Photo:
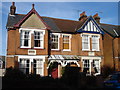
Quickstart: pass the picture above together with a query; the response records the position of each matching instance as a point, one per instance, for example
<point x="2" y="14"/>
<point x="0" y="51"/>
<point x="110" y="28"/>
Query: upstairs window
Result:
<point x="25" y="39"/>
<point x="95" y="43"/>
<point x="66" y="42"/>
<point x="54" y="41"/>
<point x="38" y="39"/>
<point x="85" y="42"/>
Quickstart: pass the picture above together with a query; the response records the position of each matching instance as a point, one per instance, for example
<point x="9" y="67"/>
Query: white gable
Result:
<point x="91" y="26"/>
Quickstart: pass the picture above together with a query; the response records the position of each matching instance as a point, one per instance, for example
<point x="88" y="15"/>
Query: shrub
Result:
<point x="106" y="70"/>
<point x="14" y="73"/>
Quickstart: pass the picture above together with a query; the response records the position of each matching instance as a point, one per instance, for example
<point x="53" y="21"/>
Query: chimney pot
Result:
<point x="12" y="9"/>
<point x="97" y="18"/>
<point x="83" y="16"/>
<point x="33" y="5"/>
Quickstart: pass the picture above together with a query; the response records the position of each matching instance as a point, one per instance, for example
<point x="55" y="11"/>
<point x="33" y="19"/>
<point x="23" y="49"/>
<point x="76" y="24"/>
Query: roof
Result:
<point x="56" y="25"/>
<point x="13" y="19"/>
<point x="32" y="11"/>
<point x="63" y="25"/>
<point x="94" y="23"/>
<point x="113" y="30"/>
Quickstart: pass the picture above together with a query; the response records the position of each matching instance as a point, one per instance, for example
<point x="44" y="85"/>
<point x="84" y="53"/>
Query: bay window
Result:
<point x="90" y="42"/>
<point x="26" y="38"/>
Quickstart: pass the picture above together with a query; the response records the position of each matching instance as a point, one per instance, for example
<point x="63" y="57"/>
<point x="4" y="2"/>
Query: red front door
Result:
<point x="54" y="73"/>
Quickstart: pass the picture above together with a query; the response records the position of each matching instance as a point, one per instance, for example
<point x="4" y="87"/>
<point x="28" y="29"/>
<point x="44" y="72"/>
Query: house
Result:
<point x="36" y="42"/>
<point x="2" y="65"/>
<point x="111" y="46"/>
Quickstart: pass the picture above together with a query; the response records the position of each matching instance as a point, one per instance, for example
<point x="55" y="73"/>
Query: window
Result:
<point x="86" y="66"/>
<point x="96" y="65"/>
<point x="1" y="63"/>
<point x="37" y="66"/>
<point x="66" y="42"/>
<point x="54" y="41"/>
<point x="31" y="65"/>
<point x="38" y="39"/>
<point x="85" y="42"/>
<point x="24" y="65"/>
<point x="95" y="43"/>
<point x="25" y="39"/>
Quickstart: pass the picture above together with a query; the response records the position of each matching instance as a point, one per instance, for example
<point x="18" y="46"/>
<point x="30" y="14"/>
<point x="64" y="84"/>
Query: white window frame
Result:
<point x="31" y="60"/>
<point x="42" y="46"/>
<point x="58" y="40"/>
<point x="88" y="42"/>
<point x="98" y="43"/>
<point x="91" y="60"/>
<point x="70" y="36"/>
<point x="29" y="41"/>
<point x="32" y="32"/>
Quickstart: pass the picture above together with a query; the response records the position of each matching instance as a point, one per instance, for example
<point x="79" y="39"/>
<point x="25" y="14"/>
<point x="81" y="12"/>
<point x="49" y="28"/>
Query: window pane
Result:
<point x="85" y="42"/>
<point x="54" y="45"/>
<point x="25" y="36"/>
<point x="25" y="42"/>
<point x="24" y="65"/>
<point x="38" y="39"/>
<point x="95" y="43"/>
<point x="86" y="66"/>
<point x="54" y="42"/>
<point x="66" y="46"/>
<point x="65" y="42"/>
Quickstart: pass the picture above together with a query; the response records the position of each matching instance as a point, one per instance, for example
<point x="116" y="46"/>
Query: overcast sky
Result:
<point x="108" y="11"/>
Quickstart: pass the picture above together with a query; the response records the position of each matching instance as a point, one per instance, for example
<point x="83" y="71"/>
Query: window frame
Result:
<point x="98" y="43"/>
<point x="29" y="41"/>
<point x="88" y="42"/>
<point x="31" y="58"/>
<point x="32" y="32"/>
<point x="70" y="36"/>
<point x="42" y="46"/>
<point x="58" y="40"/>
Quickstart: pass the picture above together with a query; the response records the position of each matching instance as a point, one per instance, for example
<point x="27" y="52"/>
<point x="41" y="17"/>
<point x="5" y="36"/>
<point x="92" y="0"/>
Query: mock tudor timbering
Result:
<point x="36" y="42"/>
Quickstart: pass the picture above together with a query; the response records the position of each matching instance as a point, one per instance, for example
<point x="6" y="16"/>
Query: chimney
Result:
<point x="12" y="9"/>
<point x="97" y="18"/>
<point x="83" y="16"/>
<point x="33" y="6"/>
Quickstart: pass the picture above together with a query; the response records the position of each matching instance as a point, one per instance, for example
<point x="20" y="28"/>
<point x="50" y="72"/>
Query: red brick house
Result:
<point x="111" y="46"/>
<point x="35" y="42"/>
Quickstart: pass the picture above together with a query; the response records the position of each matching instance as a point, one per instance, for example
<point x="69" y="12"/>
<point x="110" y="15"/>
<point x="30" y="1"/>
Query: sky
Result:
<point x="108" y="11"/>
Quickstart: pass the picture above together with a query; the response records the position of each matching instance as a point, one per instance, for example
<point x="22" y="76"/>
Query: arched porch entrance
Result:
<point x="57" y="66"/>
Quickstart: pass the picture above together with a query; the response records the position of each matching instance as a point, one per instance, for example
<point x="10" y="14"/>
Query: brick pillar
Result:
<point x="45" y="66"/>
<point x="59" y="70"/>
<point x="32" y="40"/>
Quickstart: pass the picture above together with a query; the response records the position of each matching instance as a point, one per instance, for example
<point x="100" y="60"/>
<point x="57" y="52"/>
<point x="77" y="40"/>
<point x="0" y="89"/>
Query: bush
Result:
<point x="107" y="70"/>
<point x="14" y="73"/>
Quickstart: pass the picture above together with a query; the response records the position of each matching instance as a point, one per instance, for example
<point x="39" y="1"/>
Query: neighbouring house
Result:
<point x="45" y="45"/>
<point x="111" y="46"/>
<point x="2" y="65"/>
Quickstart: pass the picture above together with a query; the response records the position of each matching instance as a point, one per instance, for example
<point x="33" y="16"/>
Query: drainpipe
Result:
<point x="113" y="54"/>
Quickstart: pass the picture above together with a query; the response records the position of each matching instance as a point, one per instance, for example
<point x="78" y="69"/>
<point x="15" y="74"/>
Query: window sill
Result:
<point x="55" y="49"/>
<point x="39" y="48"/>
<point x="25" y="47"/>
<point x="96" y="50"/>
<point x="85" y="50"/>
<point x="67" y="50"/>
